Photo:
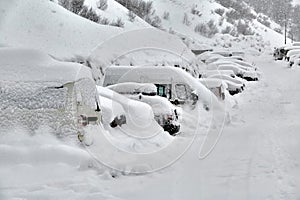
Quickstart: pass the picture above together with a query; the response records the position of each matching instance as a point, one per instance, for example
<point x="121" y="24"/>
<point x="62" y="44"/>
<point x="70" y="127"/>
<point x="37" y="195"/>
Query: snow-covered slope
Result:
<point x="44" y="25"/>
<point x="204" y="11"/>
<point x="114" y="11"/>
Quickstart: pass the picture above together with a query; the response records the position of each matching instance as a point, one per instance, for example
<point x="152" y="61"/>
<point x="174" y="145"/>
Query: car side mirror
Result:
<point x="194" y="96"/>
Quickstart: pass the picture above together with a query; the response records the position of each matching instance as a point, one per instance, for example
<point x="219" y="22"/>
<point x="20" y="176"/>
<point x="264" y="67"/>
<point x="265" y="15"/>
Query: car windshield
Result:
<point x="86" y="93"/>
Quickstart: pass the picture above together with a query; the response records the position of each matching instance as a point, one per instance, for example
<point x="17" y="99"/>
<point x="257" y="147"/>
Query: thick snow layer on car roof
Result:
<point x="208" y="73"/>
<point x="207" y="55"/>
<point x="293" y="52"/>
<point x="212" y="82"/>
<point x="226" y="78"/>
<point x="291" y="47"/>
<point x="160" y="105"/>
<point x="139" y="40"/>
<point x="110" y="110"/>
<point x="33" y="65"/>
<point x="133" y="88"/>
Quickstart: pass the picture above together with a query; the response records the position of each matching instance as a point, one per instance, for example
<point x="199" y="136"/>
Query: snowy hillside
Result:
<point x="114" y="11"/>
<point x="184" y="16"/>
<point x="44" y="25"/>
<point x="244" y="146"/>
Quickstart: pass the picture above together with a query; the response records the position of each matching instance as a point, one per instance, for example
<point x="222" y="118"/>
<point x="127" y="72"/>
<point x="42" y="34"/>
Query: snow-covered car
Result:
<point x="228" y="78"/>
<point x="134" y="88"/>
<point x="173" y="83"/>
<point x="222" y="53"/>
<point x="165" y="113"/>
<point x="213" y="58"/>
<point x="208" y="73"/>
<point x="217" y="86"/>
<point x="37" y="91"/>
<point x="206" y="55"/>
<point x="113" y="113"/>
<point x="294" y="62"/>
<point x="217" y="58"/>
<point x="279" y="53"/>
<point x="293" y="59"/>
<point x="250" y="75"/>
<point x="238" y="53"/>
<point x="289" y="48"/>
<point x="292" y="53"/>
<point x="239" y="63"/>
<point x="130" y="115"/>
<point x="234" y="86"/>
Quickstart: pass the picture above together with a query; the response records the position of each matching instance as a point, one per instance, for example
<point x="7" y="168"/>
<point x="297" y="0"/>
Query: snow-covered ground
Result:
<point x="257" y="156"/>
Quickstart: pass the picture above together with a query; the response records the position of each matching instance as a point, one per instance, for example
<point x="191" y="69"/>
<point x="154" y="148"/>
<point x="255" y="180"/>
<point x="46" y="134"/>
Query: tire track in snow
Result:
<point x="282" y="162"/>
<point x="285" y="182"/>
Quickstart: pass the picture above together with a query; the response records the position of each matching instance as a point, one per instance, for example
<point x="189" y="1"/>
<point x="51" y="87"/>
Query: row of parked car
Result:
<point x="167" y="88"/>
<point x="38" y="90"/>
<point x="230" y="69"/>
<point x="290" y="53"/>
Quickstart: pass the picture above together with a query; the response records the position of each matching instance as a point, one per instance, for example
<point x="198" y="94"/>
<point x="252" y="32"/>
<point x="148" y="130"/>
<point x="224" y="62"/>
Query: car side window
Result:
<point x="161" y="90"/>
<point x="181" y="91"/>
<point x="85" y="93"/>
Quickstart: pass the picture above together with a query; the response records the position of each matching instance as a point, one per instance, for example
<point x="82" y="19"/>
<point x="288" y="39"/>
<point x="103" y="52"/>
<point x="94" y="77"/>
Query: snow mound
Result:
<point x="43" y="167"/>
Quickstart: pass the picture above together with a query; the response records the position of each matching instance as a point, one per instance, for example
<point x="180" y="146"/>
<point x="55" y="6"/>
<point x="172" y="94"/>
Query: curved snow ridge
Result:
<point x="42" y="154"/>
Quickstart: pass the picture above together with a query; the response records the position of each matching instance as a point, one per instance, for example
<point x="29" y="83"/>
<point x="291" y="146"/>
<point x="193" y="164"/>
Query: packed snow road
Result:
<point x="256" y="158"/>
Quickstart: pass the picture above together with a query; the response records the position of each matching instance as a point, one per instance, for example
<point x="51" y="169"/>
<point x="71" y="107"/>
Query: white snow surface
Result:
<point x="140" y="122"/>
<point x="23" y="65"/>
<point x="44" y="25"/>
<point x="267" y="38"/>
<point x="114" y="11"/>
<point x="137" y="41"/>
<point x="134" y="88"/>
<point x="164" y="74"/>
<point x="256" y="157"/>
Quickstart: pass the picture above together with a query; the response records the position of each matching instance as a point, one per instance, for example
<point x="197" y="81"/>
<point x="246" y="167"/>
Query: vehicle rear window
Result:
<point x="181" y="91"/>
<point x="29" y="95"/>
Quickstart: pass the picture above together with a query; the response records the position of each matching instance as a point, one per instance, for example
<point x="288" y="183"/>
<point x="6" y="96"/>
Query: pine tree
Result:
<point x="76" y="6"/>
